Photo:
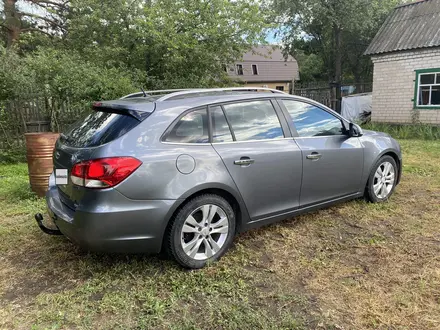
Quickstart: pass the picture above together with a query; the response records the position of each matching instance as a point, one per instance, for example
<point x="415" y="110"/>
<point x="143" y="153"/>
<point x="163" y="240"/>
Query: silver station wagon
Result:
<point x="184" y="171"/>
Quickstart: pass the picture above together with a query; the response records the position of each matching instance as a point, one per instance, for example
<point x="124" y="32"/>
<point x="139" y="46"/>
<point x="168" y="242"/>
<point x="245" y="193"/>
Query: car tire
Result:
<point x="201" y="231"/>
<point x="382" y="180"/>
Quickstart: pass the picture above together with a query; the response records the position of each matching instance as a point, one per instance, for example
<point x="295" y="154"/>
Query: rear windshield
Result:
<point x="98" y="128"/>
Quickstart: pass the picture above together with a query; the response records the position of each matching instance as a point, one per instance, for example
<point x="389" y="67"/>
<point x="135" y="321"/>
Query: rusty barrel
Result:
<point x="39" y="151"/>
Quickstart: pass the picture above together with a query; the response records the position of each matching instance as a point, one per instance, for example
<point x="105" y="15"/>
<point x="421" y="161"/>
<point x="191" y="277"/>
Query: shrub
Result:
<point x="47" y="78"/>
<point x="62" y="74"/>
<point x="12" y="156"/>
<point x="66" y="74"/>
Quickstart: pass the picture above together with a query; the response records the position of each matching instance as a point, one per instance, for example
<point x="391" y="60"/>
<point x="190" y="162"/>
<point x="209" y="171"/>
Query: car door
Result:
<point x="264" y="164"/>
<point x="332" y="161"/>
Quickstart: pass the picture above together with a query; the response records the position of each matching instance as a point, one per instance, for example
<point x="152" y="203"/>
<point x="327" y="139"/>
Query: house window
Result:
<point x="239" y="69"/>
<point x="427" y="88"/>
<point x="280" y="88"/>
<point x="254" y="69"/>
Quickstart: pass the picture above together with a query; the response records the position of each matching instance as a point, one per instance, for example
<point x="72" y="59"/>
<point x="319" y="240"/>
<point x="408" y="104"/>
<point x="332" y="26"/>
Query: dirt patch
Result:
<point x="28" y="280"/>
<point x="31" y="287"/>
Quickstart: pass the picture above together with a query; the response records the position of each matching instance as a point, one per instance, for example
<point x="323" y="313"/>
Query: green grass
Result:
<point x="407" y="131"/>
<point x="15" y="196"/>
<point x="352" y="266"/>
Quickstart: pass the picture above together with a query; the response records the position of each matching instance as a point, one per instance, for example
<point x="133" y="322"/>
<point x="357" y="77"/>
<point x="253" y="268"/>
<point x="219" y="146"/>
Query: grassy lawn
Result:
<point x="352" y="266"/>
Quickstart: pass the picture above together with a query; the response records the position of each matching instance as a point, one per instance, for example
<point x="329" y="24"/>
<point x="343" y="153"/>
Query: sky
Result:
<point x="271" y="39"/>
<point x="279" y="31"/>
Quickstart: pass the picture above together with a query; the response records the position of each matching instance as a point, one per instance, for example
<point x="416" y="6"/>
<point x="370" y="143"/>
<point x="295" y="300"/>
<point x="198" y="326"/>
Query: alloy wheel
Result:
<point x="384" y="180"/>
<point x="204" y="232"/>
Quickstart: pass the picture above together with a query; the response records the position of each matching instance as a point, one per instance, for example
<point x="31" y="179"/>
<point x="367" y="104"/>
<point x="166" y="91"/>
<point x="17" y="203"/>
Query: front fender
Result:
<point x="375" y="146"/>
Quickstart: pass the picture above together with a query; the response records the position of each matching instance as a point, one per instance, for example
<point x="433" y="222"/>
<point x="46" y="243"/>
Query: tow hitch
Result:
<point x="39" y="218"/>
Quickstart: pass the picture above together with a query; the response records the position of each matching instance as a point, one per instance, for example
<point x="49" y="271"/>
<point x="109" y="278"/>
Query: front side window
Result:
<point x="191" y="128"/>
<point x="253" y="120"/>
<point x="310" y="120"/>
<point x="428" y="88"/>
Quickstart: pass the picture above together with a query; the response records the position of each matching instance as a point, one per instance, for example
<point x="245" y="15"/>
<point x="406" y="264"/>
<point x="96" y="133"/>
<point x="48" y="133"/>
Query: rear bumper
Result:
<point x="112" y="223"/>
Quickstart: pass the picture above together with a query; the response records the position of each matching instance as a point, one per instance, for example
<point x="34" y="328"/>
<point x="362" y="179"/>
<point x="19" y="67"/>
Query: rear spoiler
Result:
<point x="139" y="111"/>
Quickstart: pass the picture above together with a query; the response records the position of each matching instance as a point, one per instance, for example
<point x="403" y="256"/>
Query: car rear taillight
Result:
<point x="103" y="172"/>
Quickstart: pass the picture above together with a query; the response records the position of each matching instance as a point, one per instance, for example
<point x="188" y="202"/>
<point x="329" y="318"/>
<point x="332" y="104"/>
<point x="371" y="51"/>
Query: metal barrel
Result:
<point x="39" y="151"/>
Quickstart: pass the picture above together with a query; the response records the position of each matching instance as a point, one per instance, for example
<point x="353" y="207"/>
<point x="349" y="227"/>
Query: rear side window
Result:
<point x="310" y="120"/>
<point x="191" y="128"/>
<point x="98" y="128"/>
<point x="220" y="127"/>
<point x="253" y="120"/>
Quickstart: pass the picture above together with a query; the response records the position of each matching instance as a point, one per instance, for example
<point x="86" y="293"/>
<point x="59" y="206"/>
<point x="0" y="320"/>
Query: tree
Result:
<point x="46" y="19"/>
<point x="311" y="67"/>
<point x="176" y="43"/>
<point x="338" y="31"/>
<point x="160" y="43"/>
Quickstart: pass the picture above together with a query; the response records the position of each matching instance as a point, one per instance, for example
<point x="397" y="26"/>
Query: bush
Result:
<point x="49" y="77"/>
<point x="62" y="74"/>
<point x="15" y="78"/>
<point x="67" y="74"/>
<point x="12" y="156"/>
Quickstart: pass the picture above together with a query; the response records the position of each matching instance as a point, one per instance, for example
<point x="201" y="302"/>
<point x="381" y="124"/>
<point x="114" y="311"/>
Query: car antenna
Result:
<point x="145" y="94"/>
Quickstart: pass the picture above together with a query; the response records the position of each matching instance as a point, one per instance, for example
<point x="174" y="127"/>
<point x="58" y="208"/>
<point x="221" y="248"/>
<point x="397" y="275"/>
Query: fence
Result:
<point x="325" y="93"/>
<point x="34" y="113"/>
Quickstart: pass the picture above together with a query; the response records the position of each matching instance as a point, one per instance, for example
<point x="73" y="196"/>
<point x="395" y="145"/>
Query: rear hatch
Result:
<point x="107" y="122"/>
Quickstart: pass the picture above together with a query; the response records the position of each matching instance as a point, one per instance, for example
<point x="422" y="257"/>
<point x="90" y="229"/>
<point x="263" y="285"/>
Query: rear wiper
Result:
<point x="65" y="137"/>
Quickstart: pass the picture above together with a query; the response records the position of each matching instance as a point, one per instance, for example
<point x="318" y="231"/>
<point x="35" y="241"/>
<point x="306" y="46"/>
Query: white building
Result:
<point x="406" y="57"/>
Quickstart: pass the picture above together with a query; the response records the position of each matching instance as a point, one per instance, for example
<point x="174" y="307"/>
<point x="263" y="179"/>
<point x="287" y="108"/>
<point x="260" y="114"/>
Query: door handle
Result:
<point x="244" y="161"/>
<point x="314" y="156"/>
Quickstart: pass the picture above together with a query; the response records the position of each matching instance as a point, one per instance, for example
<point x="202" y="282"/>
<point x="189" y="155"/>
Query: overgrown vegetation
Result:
<point x="329" y="38"/>
<point x="61" y="74"/>
<point x="352" y="266"/>
<point x="12" y="156"/>
<point x="119" y="45"/>
<point x="409" y="131"/>
<point x="63" y="55"/>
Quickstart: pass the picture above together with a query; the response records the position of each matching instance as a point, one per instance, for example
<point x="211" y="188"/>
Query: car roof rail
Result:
<point x="151" y="93"/>
<point x="199" y="91"/>
<point x="176" y="93"/>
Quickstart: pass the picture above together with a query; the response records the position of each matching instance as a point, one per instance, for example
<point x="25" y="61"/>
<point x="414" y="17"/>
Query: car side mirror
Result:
<point x="354" y="130"/>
